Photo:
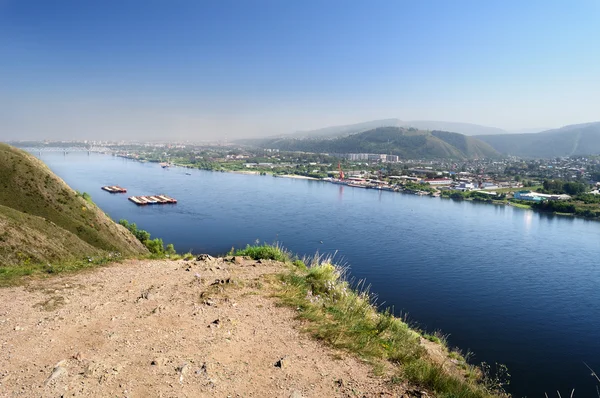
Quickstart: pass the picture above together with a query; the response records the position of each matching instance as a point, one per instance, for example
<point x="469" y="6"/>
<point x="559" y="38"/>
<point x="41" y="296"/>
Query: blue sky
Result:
<point x="227" y="69"/>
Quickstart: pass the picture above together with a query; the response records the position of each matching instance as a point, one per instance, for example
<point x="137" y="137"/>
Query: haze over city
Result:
<point x="224" y="70"/>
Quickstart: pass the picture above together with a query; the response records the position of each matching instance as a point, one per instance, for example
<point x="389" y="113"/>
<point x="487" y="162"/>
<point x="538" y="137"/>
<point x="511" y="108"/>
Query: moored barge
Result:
<point x="114" y="189"/>
<point x="152" y="200"/>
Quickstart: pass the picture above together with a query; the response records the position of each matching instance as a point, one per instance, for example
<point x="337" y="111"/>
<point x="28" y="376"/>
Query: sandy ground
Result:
<point x="168" y="329"/>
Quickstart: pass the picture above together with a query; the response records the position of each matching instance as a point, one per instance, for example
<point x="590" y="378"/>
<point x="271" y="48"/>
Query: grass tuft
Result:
<point x="264" y="252"/>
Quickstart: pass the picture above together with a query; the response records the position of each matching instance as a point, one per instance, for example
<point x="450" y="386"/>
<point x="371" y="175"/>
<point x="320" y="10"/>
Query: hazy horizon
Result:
<point x="227" y="70"/>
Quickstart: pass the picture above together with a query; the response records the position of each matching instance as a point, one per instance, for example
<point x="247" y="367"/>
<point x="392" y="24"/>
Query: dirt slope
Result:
<point x="168" y="329"/>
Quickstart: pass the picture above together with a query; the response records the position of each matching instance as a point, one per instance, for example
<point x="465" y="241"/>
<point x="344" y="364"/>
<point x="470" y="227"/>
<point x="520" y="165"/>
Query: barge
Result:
<point x="114" y="189"/>
<point x="152" y="200"/>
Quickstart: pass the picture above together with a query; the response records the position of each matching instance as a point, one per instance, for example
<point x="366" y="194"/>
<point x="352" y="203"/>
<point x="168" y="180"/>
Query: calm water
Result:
<point x="511" y="285"/>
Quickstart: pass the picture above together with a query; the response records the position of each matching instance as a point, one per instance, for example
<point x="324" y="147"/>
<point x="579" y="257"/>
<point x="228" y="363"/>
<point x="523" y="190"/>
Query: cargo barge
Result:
<point x="152" y="200"/>
<point x="114" y="189"/>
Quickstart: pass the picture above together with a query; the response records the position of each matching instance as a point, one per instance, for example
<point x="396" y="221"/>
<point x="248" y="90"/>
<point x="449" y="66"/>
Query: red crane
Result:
<point x="341" y="171"/>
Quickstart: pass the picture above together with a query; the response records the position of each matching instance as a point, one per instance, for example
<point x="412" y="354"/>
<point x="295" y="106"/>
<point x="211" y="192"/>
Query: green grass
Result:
<point x="16" y="275"/>
<point x="264" y="251"/>
<point x="347" y="319"/>
<point x="13" y="275"/>
<point x="436" y="337"/>
<point x="507" y="190"/>
<point x="519" y="205"/>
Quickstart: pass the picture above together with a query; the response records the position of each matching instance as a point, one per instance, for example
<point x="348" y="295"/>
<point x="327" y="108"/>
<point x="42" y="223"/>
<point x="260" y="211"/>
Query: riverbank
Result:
<point x="297" y="177"/>
<point x="585" y="211"/>
<point x="232" y="336"/>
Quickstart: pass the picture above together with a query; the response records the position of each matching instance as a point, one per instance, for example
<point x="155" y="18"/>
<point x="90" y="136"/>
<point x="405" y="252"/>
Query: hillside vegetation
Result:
<point x="407" y="143"/>
<point x="431" y="125"/>
<point x="580" y="139"/>
<point x="43" y="220"/>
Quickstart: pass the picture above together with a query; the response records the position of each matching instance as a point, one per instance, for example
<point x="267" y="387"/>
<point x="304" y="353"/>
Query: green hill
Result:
<point x="43" y="220"/>
<point x="408" y="143"/>
<point x="574" y="140"/>
<point x="431" y="125"/>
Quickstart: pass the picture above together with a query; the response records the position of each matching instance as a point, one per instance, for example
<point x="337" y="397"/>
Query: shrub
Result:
<point x="155" y="246"/>
<point x="264" y="251"/>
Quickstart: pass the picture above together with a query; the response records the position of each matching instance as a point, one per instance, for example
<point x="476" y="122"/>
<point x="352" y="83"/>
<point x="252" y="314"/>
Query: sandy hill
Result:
<point x="43" y="220"/>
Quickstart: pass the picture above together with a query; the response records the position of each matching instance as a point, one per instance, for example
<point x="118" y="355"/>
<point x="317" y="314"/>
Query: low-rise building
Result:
<point x="439" y="181"/>
<point x="538" y="197"/>
<point x="465" y="186"/>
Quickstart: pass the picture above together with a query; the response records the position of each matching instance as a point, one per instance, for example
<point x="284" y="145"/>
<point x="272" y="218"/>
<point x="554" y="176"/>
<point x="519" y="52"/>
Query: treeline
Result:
<point x="478" y="196"/>
<point x="582" y="204"/>
<point x="562" y="187"/>
<point x="155" y="246"/>
<point x="567" y="207"/>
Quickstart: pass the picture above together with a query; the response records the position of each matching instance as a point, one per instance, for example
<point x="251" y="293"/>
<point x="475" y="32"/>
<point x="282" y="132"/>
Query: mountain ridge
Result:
<point x="468" y="129"/>
<point x="571" y="140"/>
<point x="408" y="143"/>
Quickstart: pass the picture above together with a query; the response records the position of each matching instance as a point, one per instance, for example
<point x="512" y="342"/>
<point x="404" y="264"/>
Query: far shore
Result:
<point x="299" y="177"/>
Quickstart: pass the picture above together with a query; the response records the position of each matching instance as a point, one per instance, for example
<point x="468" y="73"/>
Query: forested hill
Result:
<point x="408" y="143"/>
<point x="431" y="125"/>
<point x="43" y="220"/>
<point x="574" y="140"/>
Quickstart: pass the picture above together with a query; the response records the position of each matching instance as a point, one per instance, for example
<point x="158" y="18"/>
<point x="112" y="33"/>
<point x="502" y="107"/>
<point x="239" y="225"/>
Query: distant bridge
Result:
<point x="65" y="150"/>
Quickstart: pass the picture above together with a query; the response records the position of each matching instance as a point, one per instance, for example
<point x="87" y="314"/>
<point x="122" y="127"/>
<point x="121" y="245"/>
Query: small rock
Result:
<point x="158" y="361"/>
<point x="238" y="260"/>
<point x="204" y="368"/>
<point x="296" y="394"/>
<point x="414" y="393"/>
<point x="183" y="370"/>
<point x="57" y="372"/>
<point x="282" y="363"/>
<point x="147" y="294"/>
<point x="204" y="257"/>
<point x="225" y="281"/>
<point x="117" y="368"/>
<point x="18" y="328"/>
<point x="215" y="323"/>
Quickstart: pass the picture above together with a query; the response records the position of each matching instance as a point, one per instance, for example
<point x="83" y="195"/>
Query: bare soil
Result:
<point x="169" y="329"/>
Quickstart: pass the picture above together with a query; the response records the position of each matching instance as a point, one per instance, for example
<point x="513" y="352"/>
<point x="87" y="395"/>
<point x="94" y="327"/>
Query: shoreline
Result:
<point x="297" y="177"/>
<point x="389" y="189"/>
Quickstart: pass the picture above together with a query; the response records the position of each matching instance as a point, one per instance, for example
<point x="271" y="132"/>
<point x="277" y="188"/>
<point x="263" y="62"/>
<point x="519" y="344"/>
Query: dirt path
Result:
<point x="167" y="329"/>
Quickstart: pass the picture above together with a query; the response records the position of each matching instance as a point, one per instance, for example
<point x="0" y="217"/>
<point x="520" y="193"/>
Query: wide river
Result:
<point x="511" y="285"/>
